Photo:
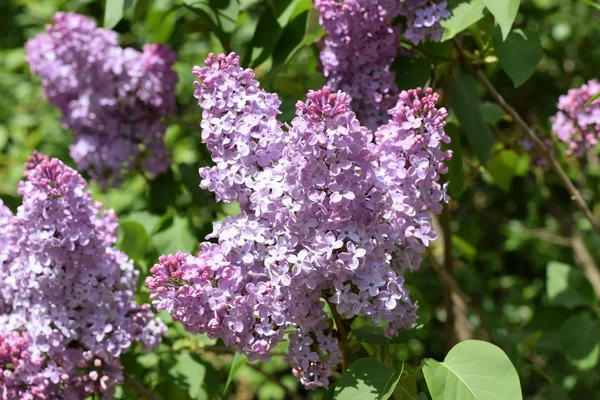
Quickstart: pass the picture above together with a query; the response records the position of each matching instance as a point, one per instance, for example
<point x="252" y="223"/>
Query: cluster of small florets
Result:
<point x="331" y="212"/>
<point x="423" y="19"/>
<point x="113" y="98"/>
<point x="576" y="125"/>
<point x="361" y="44"/>
<point x="67" y="295"/>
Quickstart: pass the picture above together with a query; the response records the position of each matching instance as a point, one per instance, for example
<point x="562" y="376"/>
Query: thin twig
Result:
<point x="545" y="151"/>
<point x="140" y="389"/>
<point x="450" y="282"/>
<point x="289" y="394"/>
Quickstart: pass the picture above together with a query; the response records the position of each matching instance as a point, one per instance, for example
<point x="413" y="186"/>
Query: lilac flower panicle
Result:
<point x="576" y="125"/>
<point x="66" y="294"/>
<point x="361" y="43"/>
<point x="330" y="212"/>
<point x="112" y="98"/>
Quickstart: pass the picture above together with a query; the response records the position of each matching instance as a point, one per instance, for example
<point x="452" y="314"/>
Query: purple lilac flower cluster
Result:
<point x="576" y="125"/>
<point x="423" y="19"/>
<point x="331" y="212"/>
<point x="113" y="98"/>
<point x="362" y="43"/>
<point x="67" y="305"/>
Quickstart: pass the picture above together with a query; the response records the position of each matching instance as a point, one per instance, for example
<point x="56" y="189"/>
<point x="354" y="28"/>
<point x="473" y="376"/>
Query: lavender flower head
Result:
<point x="423" y="19"/>
<point x="358" y="51"/>
<point x="331" y="212"/>
<point x="361" y="43"/>
<point x="112" y="98"/>
<point x="66" y="294"/>
<point x="576" y="125"/>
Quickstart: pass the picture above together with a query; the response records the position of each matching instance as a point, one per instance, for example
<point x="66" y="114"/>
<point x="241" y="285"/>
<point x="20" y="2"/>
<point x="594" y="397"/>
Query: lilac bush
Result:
<point x="331" y="212"/>
<point x="67" y="295"/>
<point x="113" y="98"/>
<point x="574" y="124"/>
<point x="361" y="44"/>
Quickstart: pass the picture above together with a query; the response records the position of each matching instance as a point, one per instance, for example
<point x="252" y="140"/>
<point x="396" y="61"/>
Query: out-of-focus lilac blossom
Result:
<point x="423" y="19"/>
<point x="331" y="211"/>
<point x="67" y="289"/>
<point x="358" y="50"/>
<point x="361" y="43"/>
<point x="112" y="98"/>
<point x="576" y="125"/>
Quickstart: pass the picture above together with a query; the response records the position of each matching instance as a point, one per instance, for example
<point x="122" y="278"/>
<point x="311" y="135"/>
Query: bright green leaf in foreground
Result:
<point x="505" y="12"/>
<point x="366" y="379"/>
<point x="473" y="370"/>
<point x="463" y="16"/>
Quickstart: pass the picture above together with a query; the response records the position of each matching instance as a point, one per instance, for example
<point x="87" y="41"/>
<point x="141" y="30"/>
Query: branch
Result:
<point x="545" y="151"/>
<point x="450" y="282"/>
<point x="142" y="391"/>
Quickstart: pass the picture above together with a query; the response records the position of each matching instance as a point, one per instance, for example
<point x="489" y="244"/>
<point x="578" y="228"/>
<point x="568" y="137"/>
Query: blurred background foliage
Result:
<point x="520" y="249"/>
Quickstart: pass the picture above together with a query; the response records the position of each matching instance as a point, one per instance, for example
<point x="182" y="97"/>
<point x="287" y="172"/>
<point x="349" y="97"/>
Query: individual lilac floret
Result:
<point x="423" y="19"/>
<point x="331" y="212"/>
<point x="576" y="125"/>
<point x="67" y="289"/>
<point x="112" y="98"/>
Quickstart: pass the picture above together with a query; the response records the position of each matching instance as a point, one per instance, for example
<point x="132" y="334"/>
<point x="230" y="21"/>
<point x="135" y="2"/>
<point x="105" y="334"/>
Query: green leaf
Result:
<point x="472" y="370"/>
<point x="375" y="335"/>
<point x="238" y="362"/>
<point x="519" y="54"/>
<point x="190" y="372"/>
<point x="456" y="175"/>
<point x="463" y="16"/>
<point x="264" y="40"/>
<point x="592" y="3"/>
<point x="593" y="99"/>
<point x="219" y="15"/>
<point x="133" y="239"/>
<point x="406" y="388"/>
<point x="366" y="379"/>
<point x="312" y="32"/>
<point x="491" y="112"/>
<point x="464" y="101"/>
<point x="293" y="10"/>
<point x="177" y="237"/>
<point x="567" y="286"/>
<point x="505" y="12"/>
<point x="580" y="336"/>
<point x="114" y="11"/>
<point x="503" y="166"/>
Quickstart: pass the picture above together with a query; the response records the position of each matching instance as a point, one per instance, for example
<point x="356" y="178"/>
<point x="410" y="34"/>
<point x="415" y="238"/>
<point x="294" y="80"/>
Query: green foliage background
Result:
<point x="515" y="232"/>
